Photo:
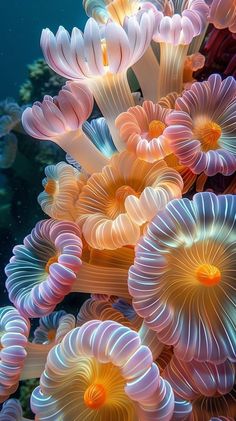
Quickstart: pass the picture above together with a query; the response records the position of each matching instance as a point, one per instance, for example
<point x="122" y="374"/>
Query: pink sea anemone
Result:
<point x="102" y="371"/>
<point x="223" y="14"/>
<point x="209" y="387"/>
<point x="43" y="269"/>
<point x="141" y="128"/>
<point x="194" y="379"/>
<point x="182" y="280"/>
<point x="202" y="130"/>
<point x="60" y="119"/>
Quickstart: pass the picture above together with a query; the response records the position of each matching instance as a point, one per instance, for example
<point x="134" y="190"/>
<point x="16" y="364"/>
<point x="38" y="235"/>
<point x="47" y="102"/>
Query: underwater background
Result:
<point x="21" y="23"/>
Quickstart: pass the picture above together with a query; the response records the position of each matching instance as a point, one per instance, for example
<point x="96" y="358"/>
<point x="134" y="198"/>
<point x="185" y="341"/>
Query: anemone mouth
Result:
<point x="51" y="260"/>
<point x="95" y="396"/>
<point x="196" y="267"/>
<point x="208" y="132"/>
<point x="155" y="129"/>
<point x="51" y="187"/>
<point x="208" y="274"/>
<point x="98" y="390"/>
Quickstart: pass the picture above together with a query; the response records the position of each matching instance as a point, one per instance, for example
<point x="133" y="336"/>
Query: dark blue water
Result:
<point x="21" y="23"/>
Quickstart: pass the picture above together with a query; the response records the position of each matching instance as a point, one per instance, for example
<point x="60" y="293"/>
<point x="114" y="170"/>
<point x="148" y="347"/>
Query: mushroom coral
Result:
<point x="101" y="371"/>
<point x="182" y="280"/>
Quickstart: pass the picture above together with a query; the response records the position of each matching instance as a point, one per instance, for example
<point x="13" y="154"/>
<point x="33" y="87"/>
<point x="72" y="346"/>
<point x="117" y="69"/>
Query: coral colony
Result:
<point x="156" y="341"/>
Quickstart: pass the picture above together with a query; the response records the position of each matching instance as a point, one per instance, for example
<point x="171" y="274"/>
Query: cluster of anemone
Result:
<point x="156" y="339"/>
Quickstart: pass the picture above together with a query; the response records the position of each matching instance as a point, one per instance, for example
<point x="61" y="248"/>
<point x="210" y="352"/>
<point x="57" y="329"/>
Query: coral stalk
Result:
<point x="35" y="360"/>
<point x="99" y="280"/>
<point x="80" y="147"/>
<point x="113" y="96"/>
<point x="149" y="85"/>
<point x="172" y="67"/>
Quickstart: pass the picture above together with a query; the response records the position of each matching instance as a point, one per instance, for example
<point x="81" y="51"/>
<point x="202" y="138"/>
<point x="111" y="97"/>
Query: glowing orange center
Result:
<point x="104" y="53"/>
<point x="125" y="191"/>
<point x="52" y="259"/>
<point x="155" y="128"/>
<point x="50" y="187"/>
<point x="95" y="396"/>
<point x="208" y="274"/>
<point x="1" y="345"/>
<point x="209" y="134"/>
<point x="51" y="335"/>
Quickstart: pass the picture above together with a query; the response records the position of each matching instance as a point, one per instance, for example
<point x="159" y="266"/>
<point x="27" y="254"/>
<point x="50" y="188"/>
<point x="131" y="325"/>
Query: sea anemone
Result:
<point x="102" y="310"/>
<point x="98" y="131"/>
<point x="21" y="359"/>
<point x="192" y="63"/>
<point x="14" y="331"/>
<point x="222" y="14"/>
<point x="52" y="328"/>
<point x="205" y="408"/>
<point x="141" y="128"/>
<point x="194" y="379"/>
<point x="209" y="387"/>
<point x="101" y="57"/>
<point x="48" y="266"/>
<point x="62" y="186"/>
<point x="182" y="280"/>
<point x="60" y="119"/>
<point x="202" y="130"/>
<point x="43" y="269"/>
<point x="12" y="411"/>
<point x="101" y="371"/>
<point x="115" y="203"/>
<point x="176" y="26"/>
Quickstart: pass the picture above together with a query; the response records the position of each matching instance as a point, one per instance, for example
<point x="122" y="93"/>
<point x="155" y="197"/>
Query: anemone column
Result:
<point x="113" y="96"/>
<point x="172" y="68"/>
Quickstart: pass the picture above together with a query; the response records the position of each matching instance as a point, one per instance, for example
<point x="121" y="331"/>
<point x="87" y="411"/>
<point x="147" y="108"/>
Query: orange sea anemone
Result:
<point x="115" y="203"/>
